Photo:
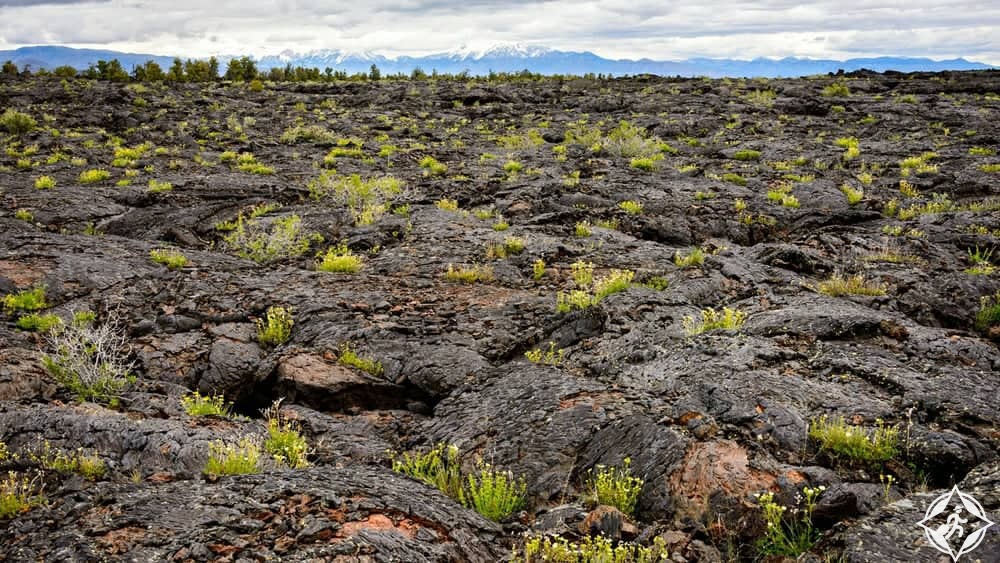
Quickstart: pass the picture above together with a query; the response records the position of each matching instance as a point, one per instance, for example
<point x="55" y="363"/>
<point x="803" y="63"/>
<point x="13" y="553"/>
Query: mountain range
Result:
<point x="507" y="58"/>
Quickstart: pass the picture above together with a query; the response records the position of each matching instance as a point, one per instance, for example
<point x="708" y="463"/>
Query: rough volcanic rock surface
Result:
<point x="708" y="421"/>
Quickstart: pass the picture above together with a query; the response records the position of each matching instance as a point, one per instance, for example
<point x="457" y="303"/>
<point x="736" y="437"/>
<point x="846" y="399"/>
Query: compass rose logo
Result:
<point x="955" y="523"/>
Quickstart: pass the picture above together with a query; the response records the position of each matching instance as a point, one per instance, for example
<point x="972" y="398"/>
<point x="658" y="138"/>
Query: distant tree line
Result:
<point x="244" y="69"/>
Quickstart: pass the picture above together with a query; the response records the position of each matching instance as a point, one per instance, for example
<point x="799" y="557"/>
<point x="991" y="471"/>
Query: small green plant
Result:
<point x="616" y="486"/>
<point x="511" y="246"/>
<point x="982" y="151"/>
<point x="837" y="89"/>
<point x="24" y="215"/>
<point x="583" y="273"/>
<point x="440" y="467"/>
<point x="91" y="360"/>
<point x="631" y="207"/>
<point x="646" y="164"/>
<point x="93" y="176"/>
<point x="27" y="300"/>
<point x="158" y="187"/>
<point x="284" y="239"/>
<point x="576" y="299"/>
<point x="340" y="259"/>
<point x="538" y="269"/>
<point x="172" y="259"/>
<point x="550" y="357"/>
<point x="45" y="183"/>
<point x="729" y="319"/>
<point x="788" y="537"/>
<point x="39" y="323"/>
<point x="853" y="443"/>
<point x="501" y="225"/>
<point x="17" y="123"/>
<point x="513" y="167"/>
<point x="349" y="357"/>
<point x="447" y="204"/>
<point x="980" y="260"/>
<point x="240" y="458"/>
<point x="990" y="168"/>
<point x="90" y="467"/>
<point x="656" y="283"/>
<point x="276" y="327"/>
<point x="432" y="167"/>
<point x="839" y="285"/>
<point x="469" y="275"/>
<point x="853" y="196"/>
<point x="196" y="404"/>
<point x="988" y="315"/>
<point x="694" y="258"/>
<point x="582" y="229"/>
<point x="284" y="439"/>
<point x="495" y="494"/>
<point x="591" y="549"/>
<point x="614" y="282"/>
<point x="746" y="154"/>
<point x="734" y="178"/>
<point x="18" y="495"/>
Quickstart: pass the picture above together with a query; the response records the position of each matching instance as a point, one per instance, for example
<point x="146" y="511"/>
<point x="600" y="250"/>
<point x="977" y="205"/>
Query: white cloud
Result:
<point x="618" y="28"/>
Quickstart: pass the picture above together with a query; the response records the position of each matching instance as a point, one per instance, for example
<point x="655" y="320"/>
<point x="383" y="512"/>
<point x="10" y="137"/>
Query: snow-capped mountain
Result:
<point x="509" y="57"/>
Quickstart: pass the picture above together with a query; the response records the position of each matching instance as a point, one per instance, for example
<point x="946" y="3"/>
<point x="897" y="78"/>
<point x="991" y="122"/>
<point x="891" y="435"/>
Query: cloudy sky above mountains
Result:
<point x="611" y="28"/>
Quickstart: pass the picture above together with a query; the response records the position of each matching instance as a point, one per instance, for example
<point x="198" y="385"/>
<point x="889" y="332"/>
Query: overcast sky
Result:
<point x="611" y="28"/>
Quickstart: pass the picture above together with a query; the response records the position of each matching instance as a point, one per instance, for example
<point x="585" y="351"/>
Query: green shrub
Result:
<point x="45" y="183"/>
<point x="169" y="257"/>
<point x="284" y="239"/>
<point x="432" y="167"/>
<point x="469" y="275"/>
<point x="340" y="259"/>
<point x="696" y="257"/>
<point x="513" y="167"/>
<point x="839" y="285"/>
<point x="18" y="495"/>
<point x="614" y="282"/>
<point x="233" y="459"/>
<point x="24" y="215"/>
<point x="440" y="467"/>
<point x="853" y="196"/>
<point x="90" y="467"/>
<point x="576" y="299"/>
<point x="630" y="207"/>
<point x="990" y="168"/>
<point x="196" y="404"/>
<point x="367" y="199"/>
<point x="854" y="443"/>
<point x="157" y="187"/>
<point x="988" y="315"/>
<point x="552" y="357"/>
<point x="349" y="357"/>
<point x="656" y="283"/>
<point x="447" y="204"/>
<point x="837" y="89"/>
<point x="27" y="300"/>
<point x="511" y="246"/>
<point x="734" y="178"/>
<point x="17" y="123"/>
<point x="538" y="269"/>
<point x="788" y="537"/>
<point x="93" y="176"/>
<point x="982" y="151"/>
<point x="591" y="549"/>
<point x="582" y="229"/>
<point x="646" y="164"/>
<point x="308" y="134"/>
<point x="276" y="327"/>
<point x="747" y="154"/>
<point x="39" y="323"/>
<point x="583" y="273"/>
<point x="284" y="440"/>
<point x="616" y="486"/>
<point x="495" y="494"/>
<point x="628" y="141"/>
<point x="90" y="360"/>
<point x="729" y="319"/>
